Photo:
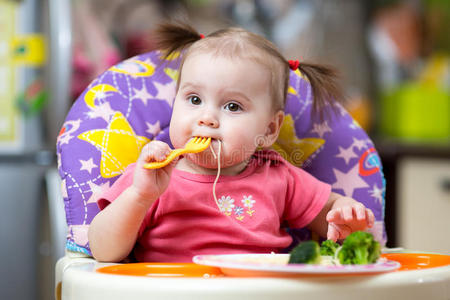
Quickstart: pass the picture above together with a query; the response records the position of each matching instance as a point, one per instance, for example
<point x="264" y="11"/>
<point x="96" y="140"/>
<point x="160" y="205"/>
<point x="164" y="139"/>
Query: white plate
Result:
<point x="276" y="265"/>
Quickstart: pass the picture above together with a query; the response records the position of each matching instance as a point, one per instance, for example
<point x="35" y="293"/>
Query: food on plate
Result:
<point x="359" y="248"/>
<point x="305" y="253"/>
<point x="328" y="248"/>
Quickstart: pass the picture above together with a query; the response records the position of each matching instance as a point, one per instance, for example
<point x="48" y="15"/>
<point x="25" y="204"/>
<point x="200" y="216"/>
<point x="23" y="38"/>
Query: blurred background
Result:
<point x="394" y="57"/>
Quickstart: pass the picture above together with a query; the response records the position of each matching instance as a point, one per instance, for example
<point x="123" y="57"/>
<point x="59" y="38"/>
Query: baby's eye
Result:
<point x="195" y="100"/>
<point x="233" y="106"/>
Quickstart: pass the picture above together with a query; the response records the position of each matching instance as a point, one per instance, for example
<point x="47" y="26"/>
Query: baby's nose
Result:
<point x="208" y="120"/>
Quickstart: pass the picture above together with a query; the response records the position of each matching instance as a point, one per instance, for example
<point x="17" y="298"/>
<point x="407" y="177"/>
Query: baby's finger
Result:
<point x="155" y="151"/>
<point x="171" y="165"/>
<point x="332" y="233"/>
<point x="360" y="211"/>
<point x="144" y="152"/>
<point x="347" y="213"/>
<point x="334" y="215"/>
<point x="344" y="230"/>
<point x="370" y="218"/>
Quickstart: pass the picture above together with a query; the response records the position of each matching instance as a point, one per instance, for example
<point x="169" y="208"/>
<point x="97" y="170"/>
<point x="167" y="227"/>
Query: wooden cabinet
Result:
<point x="423" y="204"/>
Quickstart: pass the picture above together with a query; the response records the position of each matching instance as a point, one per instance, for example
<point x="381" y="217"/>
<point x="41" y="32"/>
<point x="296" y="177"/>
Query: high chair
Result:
<point x="128" y="106"/>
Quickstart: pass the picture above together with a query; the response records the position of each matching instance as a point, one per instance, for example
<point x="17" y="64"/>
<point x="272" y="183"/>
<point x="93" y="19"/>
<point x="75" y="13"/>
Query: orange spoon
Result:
<point x="195" y="145"/>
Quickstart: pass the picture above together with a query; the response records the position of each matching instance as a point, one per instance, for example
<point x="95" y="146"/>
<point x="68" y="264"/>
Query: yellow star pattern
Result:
<point x="291" y="90"/>
<point x="118" y="143"/>
<point x="148" y="69"/>
<point x="172" y="73"/>
<point x="293" y="149"/>
<point x="298" y="73"/>
<point x="172" y="56"/>
<point x="98" y="91"/>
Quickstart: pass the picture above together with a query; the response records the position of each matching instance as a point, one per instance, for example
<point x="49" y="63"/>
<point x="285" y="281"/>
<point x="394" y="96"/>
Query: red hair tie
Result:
<point x="294" y="64"/>
<point x="202" y="36"/>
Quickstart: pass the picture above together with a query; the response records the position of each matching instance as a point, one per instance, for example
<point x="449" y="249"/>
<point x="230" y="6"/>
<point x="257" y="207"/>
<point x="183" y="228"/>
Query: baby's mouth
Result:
<point x="215" y="146"/>
<point x="214" y="140"/>
<point x="216" y="143"/>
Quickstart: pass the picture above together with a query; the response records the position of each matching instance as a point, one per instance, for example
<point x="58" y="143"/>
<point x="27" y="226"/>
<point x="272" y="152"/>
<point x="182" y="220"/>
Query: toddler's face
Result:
<point x="226" y="99"/>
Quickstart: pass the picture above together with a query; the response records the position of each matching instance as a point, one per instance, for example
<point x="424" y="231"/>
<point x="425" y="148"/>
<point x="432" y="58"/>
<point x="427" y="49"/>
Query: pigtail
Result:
<point x="324" y="84"/>
<point x="172" y="37"/>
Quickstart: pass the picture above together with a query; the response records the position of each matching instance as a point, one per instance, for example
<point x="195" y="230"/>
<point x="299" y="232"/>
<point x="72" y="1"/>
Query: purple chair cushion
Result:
<point x="131" y="104"/>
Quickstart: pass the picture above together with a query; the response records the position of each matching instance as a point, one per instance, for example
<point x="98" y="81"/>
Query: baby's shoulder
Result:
<point x="274" y="161"/>
<point x="270" y="157"/>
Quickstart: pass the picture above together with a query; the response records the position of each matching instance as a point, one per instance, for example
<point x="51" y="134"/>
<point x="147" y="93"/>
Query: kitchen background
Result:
<point x="395" y="64"/>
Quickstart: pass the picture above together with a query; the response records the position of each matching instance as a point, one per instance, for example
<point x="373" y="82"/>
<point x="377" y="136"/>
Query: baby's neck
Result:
<point x="186" y="165"/>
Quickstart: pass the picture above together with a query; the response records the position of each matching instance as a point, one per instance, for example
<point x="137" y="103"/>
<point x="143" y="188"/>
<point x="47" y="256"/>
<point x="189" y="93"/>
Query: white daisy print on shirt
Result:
<point x="248" y="202"/>
<point x="238" y="211"/>
<point x="228" y="207"/>
<point x="226" y="204"/>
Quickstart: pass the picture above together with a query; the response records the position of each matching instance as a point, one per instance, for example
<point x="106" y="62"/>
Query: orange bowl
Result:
<point x="418" y="261"/>
<point x="162" y="270"/>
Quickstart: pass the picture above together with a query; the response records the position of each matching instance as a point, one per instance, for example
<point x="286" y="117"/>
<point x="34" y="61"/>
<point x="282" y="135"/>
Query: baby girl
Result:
<point x="232" y="87"/>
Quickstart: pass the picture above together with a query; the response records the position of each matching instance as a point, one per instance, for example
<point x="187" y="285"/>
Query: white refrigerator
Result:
<point x="35" y="68"/>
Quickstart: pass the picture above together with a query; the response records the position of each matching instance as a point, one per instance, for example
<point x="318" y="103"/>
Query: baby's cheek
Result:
<point x="241" y="149"/>
<point x="177" y="135"/>
<point x="242" y="137"/>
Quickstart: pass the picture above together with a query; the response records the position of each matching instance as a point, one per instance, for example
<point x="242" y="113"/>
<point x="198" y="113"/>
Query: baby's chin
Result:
<point x="204" y="159"/>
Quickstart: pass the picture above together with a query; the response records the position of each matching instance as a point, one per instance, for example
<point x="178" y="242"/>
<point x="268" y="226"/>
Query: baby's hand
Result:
<point x="151" y="183"/>
<point x="346" y="216"/>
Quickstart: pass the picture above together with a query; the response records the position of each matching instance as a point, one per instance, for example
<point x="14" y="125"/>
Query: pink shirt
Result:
<point x="252" y="210"/>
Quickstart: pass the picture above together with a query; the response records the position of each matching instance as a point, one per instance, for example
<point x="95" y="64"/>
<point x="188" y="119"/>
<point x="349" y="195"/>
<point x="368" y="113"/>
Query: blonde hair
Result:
<point x="237" y="42"/>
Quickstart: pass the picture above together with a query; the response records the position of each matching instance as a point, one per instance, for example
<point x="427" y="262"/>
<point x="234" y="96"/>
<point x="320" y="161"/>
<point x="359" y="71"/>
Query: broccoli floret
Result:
<point x="359" y="248"/>
<point x="305" y="253"/>
<point x="328" y="248"/>
<point x="374" y="252"/>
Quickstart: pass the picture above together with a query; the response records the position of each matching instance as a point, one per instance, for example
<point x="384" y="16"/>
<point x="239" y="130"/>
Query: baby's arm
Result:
<point x="114" y="230"/>
<point x="341" y="216"/>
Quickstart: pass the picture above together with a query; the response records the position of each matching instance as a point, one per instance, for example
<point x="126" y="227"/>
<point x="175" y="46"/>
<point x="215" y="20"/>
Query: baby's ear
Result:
<point x="273" y="129"/>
